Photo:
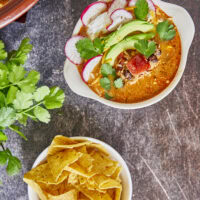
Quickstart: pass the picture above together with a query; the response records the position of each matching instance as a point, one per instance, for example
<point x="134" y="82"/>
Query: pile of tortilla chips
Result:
<point x="76" y="170"/>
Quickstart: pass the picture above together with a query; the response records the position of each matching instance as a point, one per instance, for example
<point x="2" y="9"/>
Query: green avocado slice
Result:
<point x="133" y="26"/>
<point x="127" y="43"/>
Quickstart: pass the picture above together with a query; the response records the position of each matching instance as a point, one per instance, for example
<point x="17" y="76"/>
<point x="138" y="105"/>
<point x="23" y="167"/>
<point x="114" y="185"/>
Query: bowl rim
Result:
<point x="13" y="10"/>
<point x="84" y="91"/>
<point x="109" y="148"/>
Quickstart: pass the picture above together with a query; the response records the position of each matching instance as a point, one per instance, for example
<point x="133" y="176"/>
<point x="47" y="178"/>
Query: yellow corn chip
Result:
<point x="70" y="195"/>
<point x="118" y="193"/>
<point x="102" y="164"/>
<point x="62" y="159"/>
<point x="77" y="169"/>
<point x="42" y="173"/>
<point x="42" y="195"/>
<point x="116" y="174"/>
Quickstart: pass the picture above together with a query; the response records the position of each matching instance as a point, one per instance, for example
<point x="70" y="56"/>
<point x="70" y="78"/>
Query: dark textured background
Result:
<point x="161" y="143"/>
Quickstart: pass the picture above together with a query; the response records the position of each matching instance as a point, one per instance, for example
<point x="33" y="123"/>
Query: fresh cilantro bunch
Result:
<point x="89" y="49"/>
<point x="20" y="99"/>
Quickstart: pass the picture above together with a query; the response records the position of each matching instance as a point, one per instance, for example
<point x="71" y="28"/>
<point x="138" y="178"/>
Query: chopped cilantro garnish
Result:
<point x="118" y="83"/>
<point x="107" y="96"/>
<point x="89" y="49"/>
<point x="105" y="83"/>
<point x="146" y="48"/>
<point x="141" y="10"/>
<point x="166" y="30"/>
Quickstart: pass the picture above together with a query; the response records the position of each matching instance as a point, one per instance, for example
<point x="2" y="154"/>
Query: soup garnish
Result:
<point x="129" y="52"/>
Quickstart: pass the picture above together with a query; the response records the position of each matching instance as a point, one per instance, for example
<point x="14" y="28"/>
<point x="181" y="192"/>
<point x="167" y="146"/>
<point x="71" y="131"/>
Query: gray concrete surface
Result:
<point x="161" y="143"/>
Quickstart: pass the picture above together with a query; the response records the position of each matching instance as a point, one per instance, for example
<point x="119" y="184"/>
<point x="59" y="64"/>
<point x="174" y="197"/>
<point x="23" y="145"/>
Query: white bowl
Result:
<point x="125" y="175"/>
<point x="186" y="29"/>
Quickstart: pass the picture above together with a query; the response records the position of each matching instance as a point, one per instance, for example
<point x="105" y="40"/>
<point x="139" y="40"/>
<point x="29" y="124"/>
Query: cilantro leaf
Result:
<point x="28" y="84"/>
<point x="3" y="137"/>
<point x="42" y="114"/>
<point x="166" y="30"/>
<point x="19" y="56"/>
<point x="107" y="96"/>
<point x="40" y="93"/>
<point x="89" y="49"/>
<point x="3" y="157"/>
<point x="2" y="99"/>
<point x="17" y="130"/>
<point x="11" y="95"/>
<point x="3" y="75"/>
<point x="105" y="83"/>
<point x="22" y="118"/>
<point x="23" y="100"/>
<point x="141" y="10"/>
<point x="118" y="83"/>
<point x="3" y="53"/>
<point x="146" y="48"/>
<point x="55" y="99"/>
<point x="7" y="116"/>
<point x="98" y="45"/>
<point x="106" y="69"/>
<point x="17" y="74"/>
<point x="14" y="166"/>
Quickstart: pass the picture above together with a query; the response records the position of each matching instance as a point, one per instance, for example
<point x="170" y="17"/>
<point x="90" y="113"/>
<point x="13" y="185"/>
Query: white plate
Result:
<point x="186" y="29"/>
<point x="125" y="175"/>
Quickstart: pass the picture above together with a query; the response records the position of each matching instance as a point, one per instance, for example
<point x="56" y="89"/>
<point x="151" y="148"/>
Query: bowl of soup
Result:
<point x="10" y="10"/>
<point x="128" y="54"/>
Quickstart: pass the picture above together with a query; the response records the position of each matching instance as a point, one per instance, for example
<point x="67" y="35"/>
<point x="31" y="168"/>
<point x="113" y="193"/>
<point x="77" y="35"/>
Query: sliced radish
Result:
<point x="92" y="11"/>
<point x="116" y="4"/>
<point x="132" y="3"/>
<point x="119" y="17"/>
<point x="98" y="25"/>
<point x="151" y="5"/>
<point x="89" y="67"/>
<point x="71" y="51"/>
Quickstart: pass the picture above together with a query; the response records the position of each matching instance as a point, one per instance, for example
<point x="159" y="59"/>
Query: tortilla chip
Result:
<point x="77" y="169"/>
<point x="73" y="179"/>
<point x="70" y="195"/>
<point x="62" y="159"/>
<point x="117" y="173"/>
<point x="93" y="146"/>
<point x="42" y="195"/>
<point x="103" y="164"/>
<point x="60" y="143"/>
<point x="82" y="196"/>
<point x="86" y="161"/>
<point x="82" y="149"/>
<point x="118" y="193"/>
<point x="42" y="173"/>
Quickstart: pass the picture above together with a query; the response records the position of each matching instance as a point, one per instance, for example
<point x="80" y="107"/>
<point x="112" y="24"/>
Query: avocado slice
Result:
<point x="127" y="43"/>
<point x="136" y="25"/>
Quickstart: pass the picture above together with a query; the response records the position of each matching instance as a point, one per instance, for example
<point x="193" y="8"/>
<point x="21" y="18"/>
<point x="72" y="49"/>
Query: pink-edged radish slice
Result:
<point x="92" y="11"/>
<point x="71" y="51"/>
<point x="98" y="25"/>
<point x="119" y="17"/>
<point x="132" y="3"/>
<point x="151" y="5"/>
<point x="116" y="4"/>
<point x="89" y="67"/>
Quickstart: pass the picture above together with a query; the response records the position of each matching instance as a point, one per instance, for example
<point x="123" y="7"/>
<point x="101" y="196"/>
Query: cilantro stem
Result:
<point x="31" y="108"/>
<point x="2" y="147"/>
<point x="1" y="88"/>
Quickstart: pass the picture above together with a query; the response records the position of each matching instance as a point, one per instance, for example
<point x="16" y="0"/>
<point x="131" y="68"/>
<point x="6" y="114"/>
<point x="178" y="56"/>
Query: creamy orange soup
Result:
<point x="152" y="82"/>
